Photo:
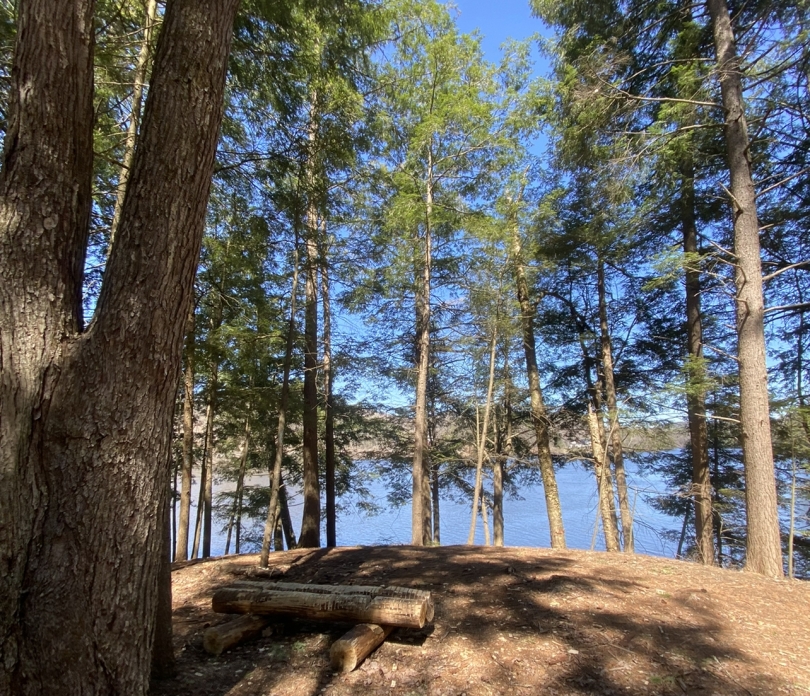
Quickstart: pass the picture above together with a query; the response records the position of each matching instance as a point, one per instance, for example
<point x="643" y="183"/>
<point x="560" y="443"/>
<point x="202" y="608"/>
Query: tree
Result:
<point x="86" y="412"/>
<point x="764" y="544"/>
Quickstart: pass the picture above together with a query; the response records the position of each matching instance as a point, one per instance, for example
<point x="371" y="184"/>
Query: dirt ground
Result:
<point x="511" y="621"/>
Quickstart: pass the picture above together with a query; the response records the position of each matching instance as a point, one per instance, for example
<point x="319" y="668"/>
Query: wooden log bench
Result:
<point x="386" y="606"/>
<point x="377" y="610"/>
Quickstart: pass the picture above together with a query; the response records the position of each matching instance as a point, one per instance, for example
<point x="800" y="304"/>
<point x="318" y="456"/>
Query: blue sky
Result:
<point x="498" y="21"/>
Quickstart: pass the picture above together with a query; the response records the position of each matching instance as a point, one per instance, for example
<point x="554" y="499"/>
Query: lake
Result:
<point x="525" y="519"/>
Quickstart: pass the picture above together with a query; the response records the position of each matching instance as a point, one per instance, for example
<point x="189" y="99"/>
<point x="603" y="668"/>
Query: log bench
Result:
<point x="377" y="610"/>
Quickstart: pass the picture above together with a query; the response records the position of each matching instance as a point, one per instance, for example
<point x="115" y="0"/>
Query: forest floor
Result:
<point x="511" y="621"/>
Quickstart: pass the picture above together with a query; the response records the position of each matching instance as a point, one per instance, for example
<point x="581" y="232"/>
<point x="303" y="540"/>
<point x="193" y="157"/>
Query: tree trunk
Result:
<point x="764" y="548"/>
<point x="86" y="417"/>
<point x="207" y="486"/>
<point x="311" y="522"/>
<point x="420" y="513"/>
<point x="696" y="391"/>
<point x="539" y="415"/>
<point x="275" y="474"/>
<point x="434" y="493"/>
<point x="286" y="519"/>
<point x="181" y="547"/>
<point x="163" y="663"/>
<point x="141" y="68"/>
<point x="328" y="387"/>
<point x="482" y="441"/>
<point x="603" y="482"/>
<point x="613" y="412"/>
<point x="240" y="480"/>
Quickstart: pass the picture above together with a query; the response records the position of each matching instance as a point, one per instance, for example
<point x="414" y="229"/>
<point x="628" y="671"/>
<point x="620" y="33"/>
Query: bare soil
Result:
<point x="511" y="621"/>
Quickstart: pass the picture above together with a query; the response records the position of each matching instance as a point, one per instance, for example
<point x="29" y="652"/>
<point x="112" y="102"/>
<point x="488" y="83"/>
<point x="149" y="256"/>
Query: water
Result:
<point x="525" y="519"/>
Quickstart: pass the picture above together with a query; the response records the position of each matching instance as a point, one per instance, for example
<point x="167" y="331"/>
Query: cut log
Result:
<point x="356" y="645"/>
<point x="387" y="606"/>
<point x="219" y="638"/>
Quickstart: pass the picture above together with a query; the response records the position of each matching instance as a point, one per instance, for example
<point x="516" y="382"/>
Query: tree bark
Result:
<point x="764" y="548"/>
<point x="163" y="662"/>
<point x="311" y="523"/>
<point x="696" y="392"/>
<point x="613" y="413"/>
<point x="86" y="417"/>
<point x="181" y="547"/>
<point x="421" y="501"/>
<point x="275" y="474"/>
<point x="538" y="407"/>
<point x="328" y="388"/>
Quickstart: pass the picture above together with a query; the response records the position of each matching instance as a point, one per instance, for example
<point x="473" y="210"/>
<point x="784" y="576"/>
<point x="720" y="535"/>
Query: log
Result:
<point x="356" y="645"/>
<point x="219" y="638"/>
<point x="387" y="606"/>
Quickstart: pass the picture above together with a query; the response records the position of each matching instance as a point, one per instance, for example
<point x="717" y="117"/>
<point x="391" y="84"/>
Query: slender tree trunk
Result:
<point x="311" y="522"/>
<point x="420" y="513"/>
<point x="434" y="492"/>
<point x="181" y="547"/>
<point x="539" y="414"/>
<point x="208" y="488"/>
<point x="286" y="520"/>
<point x="764" y="547"/>
<point x="275" y="474"/>
<point x="613" y="413"/>
<point x="141" y="68"/>
<point x="696" y="392"/>
<point x="240" y="479"/>
<point x="603" y="482"/>
<point x="328" y="383"/>
<point x="482" y="437"/>
<point x="195" y="546"/>
<point x="82" y="411"/>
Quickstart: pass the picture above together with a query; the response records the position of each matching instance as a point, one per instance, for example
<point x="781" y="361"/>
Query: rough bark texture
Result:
<point x="764" y="549"/>
<point x="311" y="522"/>
<point x="539" y="415"/>
<point x="181" y="547"/>
<point x="613" y="413"/>
<point x="86" y="418"/>
<point x="421" y="499"/>
<point x="696" y="396"/>
<point x="163" y="662"/>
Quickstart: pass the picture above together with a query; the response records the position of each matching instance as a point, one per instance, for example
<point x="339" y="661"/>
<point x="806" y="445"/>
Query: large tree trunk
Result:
<point x="764" y="548"/>
<point x="421" y="500"/>
<point x="86" y="417"/>
<point x="181" y="547"/>
<point x="311" y="522"/>
<point x="539" y="415"/>
<point x="163" y="662"/>
<point x="696" y="391"/>
<point x="613" y="412"/>
<point x="328" y="388"/>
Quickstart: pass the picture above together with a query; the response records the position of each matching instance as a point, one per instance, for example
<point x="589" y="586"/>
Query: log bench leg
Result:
<point x="355" y="646"/>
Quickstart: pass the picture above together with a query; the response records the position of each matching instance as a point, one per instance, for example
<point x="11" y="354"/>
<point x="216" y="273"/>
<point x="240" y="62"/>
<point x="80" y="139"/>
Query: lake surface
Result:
<point x="525" y="519"/>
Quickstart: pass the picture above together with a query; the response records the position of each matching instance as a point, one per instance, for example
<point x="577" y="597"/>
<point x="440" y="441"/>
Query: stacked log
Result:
<point x="219" y="638"/>
<point x="356" y="645"/>
<point x="385" y="606"/>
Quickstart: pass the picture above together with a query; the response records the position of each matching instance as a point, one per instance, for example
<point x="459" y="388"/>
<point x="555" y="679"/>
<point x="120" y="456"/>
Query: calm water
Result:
<point x="525" y="519"/>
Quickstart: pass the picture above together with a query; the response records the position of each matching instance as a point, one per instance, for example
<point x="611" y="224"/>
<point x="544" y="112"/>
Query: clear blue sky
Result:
<point x="497" y="21"/>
